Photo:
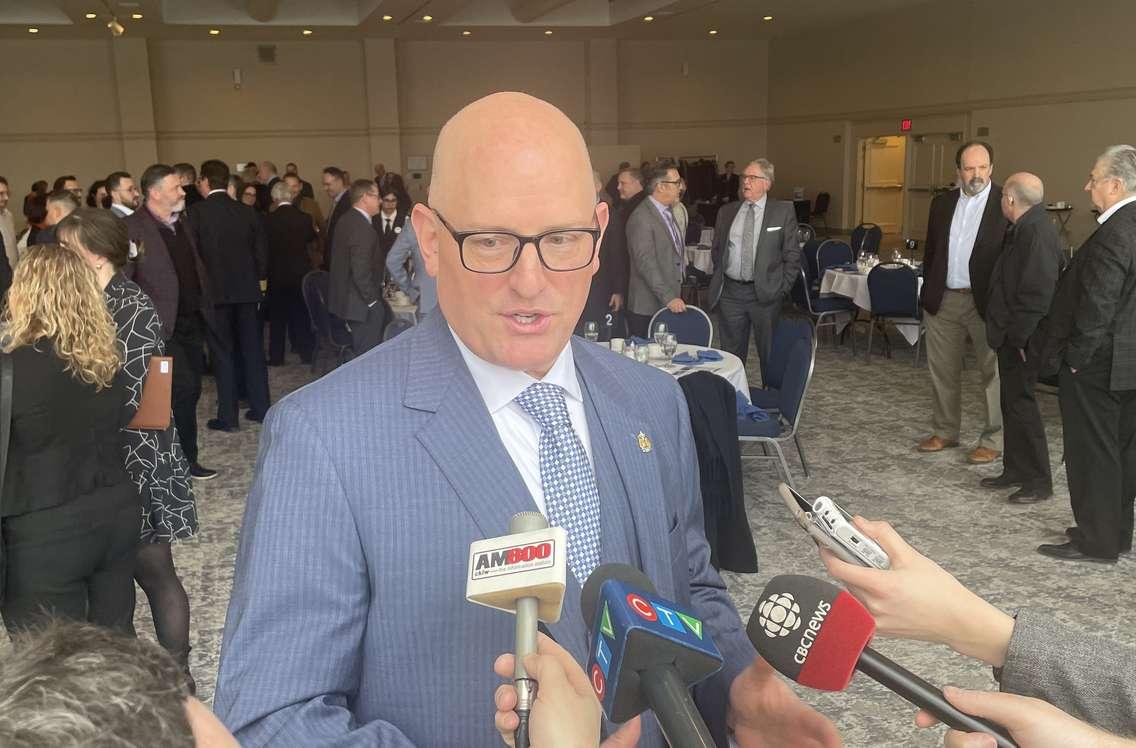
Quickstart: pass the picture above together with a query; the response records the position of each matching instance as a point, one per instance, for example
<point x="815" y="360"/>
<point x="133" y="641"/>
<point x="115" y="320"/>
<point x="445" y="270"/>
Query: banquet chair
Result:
<point x="866" y="238"/>
<point x="809" y="261"/>
<point x="782" y="427"/>
<point x="788" y="331"/>
<point x="692" y="327"/>
<point x="822" y="306"/>
<point x="832" y="253"/>
<point x="820" y="209"/>
<point x="894" y="292"/>
<point x="328" y="330"/>
<point x="805" y="233"/>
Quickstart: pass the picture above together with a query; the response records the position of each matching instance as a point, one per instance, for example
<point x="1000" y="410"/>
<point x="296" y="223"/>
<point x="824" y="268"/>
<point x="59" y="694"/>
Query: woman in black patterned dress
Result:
<point x="154" y="460"/>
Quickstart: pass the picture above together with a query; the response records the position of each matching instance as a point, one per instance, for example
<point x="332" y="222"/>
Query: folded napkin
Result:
<point x="697" y="357"/>
<point x="638" y="340"/>
<point x="846" y="266"/>
<point x="745" y="410"/>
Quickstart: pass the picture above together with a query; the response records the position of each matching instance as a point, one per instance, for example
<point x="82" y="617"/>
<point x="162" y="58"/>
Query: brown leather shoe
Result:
<point x="935" y="444"/>
<point x="983" y="456"/>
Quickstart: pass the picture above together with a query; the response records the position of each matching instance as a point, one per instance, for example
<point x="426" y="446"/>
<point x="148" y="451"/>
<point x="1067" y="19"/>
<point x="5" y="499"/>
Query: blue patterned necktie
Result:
<point x="569" y="483"/>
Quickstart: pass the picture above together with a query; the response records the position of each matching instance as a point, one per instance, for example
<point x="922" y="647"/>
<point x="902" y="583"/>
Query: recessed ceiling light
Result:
<point x="427" y="19"/>
<point x="713" y="32"/>
<point x="306" y="32"/>
<point x="767" y="18"/>
<point x="90" y="16"/>
<point x="548" y="32"/>
<point x="648" y="19"/>
<point x="33" y="30"/>
<point x="136" y="16"/>
<point x="388" y="19"/>
<point x="467" y="32"/>
<point x="214" y="32"/>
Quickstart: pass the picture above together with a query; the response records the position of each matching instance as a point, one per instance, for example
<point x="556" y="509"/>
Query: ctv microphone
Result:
<point x="646" y="653"/>
<point x="523" y="573"/>
<point x="817" y="635"/>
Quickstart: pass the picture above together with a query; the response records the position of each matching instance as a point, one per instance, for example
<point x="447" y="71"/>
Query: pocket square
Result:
<point x="774" y="228"/>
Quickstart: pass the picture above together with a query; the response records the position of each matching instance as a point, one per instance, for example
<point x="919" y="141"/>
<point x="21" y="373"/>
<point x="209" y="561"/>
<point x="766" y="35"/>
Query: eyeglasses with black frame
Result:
<point x="497" y="251"/>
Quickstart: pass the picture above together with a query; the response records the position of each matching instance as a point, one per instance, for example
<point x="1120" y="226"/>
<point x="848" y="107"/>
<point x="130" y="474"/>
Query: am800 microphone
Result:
<point x="646" y="653"/>
<point x="522" y="573"/>
<point x="817" y="635"/>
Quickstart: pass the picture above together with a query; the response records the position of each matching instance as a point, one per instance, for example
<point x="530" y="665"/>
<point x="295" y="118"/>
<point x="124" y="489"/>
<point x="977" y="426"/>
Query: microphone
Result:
<point x="522" y="573"/>
<point x="817" y="634"/>
<point x="646" y="653"/>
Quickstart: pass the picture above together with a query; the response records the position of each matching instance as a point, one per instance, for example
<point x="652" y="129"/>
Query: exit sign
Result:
<point x="905" y="125"/>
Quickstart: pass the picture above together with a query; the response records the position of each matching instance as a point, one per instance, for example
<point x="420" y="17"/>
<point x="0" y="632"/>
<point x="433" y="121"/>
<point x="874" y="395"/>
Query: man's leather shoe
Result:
<point x="1031" y="494"/>
<point x="1070" y="552"/>
<point x="250" y="416"/>
<point x="216" y="424"/>
<point x="935" y="444"/>
<point x="983" y="456"/>
<point x="999" y="481"/>
<point x="1075" y="533"/>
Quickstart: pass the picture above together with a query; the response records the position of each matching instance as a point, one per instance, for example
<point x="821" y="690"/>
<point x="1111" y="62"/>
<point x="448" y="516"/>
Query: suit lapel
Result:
<point x="638" y="469"/>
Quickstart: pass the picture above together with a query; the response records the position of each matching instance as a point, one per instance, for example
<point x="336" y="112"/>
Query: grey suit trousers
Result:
<point x="739" y="311"/>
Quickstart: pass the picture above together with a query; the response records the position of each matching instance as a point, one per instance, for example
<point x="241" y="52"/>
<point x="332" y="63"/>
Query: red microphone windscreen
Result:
<point x="810" y="631"/>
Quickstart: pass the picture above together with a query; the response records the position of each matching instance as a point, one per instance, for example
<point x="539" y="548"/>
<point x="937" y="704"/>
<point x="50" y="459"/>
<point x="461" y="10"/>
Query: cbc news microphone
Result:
<point x="523" y="573"/>
<point x="646" y="653"/>
<point x="816" y="634"/>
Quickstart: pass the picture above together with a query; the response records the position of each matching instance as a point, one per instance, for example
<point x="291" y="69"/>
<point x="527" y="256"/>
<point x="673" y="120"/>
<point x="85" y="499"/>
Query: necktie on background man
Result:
<point x="387" y="228"/>
<point x="571" y="497"/>
<point x="748" y="248"/>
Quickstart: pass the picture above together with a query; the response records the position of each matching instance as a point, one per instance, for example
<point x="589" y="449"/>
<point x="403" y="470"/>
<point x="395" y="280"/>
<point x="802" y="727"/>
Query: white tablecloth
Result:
<point x="855" y="286"/>
<point x="729" y="368"/>
<point x="700" y="258"/>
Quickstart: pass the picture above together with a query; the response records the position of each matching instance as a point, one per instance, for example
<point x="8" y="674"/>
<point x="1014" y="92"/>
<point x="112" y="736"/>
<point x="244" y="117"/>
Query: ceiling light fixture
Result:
<point x="648" y="19"/>
<point x="214" y="32"/>
<point x="548" y="32"/>
<point x="767" y="18"/>
<point x="33" y="30"/>
<point x="427" y="19"/>
<point x="306" y="32"/>
<point x="136" y="16"/>
<point x="91" y="16"/>
<point x="388" y="19"/>
<point x="116" y="28"/>
<point x="467" y="32"/>
<point x="713" y="32"/>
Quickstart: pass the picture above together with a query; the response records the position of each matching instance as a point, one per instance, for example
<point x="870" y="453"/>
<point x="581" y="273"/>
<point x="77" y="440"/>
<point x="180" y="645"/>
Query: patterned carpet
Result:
<point x="859" y="427"/>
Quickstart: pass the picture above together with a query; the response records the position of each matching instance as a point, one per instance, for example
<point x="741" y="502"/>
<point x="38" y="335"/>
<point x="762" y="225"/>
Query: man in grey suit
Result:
<point x="756" y="262"/>
<point x="422" y="289"/>
<point x="355" y="294"/>
<point x="348" y="624"/>
<point x="656" y="250"/>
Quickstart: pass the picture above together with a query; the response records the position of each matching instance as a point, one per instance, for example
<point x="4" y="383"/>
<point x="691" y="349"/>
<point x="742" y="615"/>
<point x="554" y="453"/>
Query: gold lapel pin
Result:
<point x="644" y="442"/>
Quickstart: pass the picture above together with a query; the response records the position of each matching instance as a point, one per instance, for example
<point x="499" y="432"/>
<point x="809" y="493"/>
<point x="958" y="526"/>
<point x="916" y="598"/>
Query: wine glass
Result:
<point x="660" y="331"/>
<point x="591" y="332"/>
<point x="670" y="345"/>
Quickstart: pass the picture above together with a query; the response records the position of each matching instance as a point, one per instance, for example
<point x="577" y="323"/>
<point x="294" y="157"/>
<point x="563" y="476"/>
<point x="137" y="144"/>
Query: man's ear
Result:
<point x="426" y="230"/>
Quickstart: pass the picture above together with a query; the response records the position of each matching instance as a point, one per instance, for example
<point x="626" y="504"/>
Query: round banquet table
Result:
<point x="854" y="285"/>
<point x="700" y="257"/>
<point x="729" y="368"/>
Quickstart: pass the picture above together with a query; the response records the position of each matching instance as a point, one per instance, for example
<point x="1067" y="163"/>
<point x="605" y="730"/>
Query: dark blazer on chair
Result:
<point x="338" y="210"/>
<point x="1095" y="305"/>
<point x="356" y="272"/>
<point x="230" y="239"/>
<point x="777" y="259"/>
<point x="987" y="247"/>
<point x="66" y="437"/>
<point x="1024" y="280"/>
<point x="154" y="269"/>
<point x="289" y="232"/>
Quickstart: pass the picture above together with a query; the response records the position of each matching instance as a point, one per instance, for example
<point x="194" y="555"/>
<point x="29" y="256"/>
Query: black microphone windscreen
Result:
<point x="590" y="595"/>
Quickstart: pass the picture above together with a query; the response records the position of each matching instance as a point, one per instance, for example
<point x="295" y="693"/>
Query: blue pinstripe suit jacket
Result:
<point x="348" y="624"/>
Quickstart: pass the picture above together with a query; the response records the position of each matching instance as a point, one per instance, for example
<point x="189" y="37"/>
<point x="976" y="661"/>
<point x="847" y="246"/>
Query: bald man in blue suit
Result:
<point x="348" y="624"/>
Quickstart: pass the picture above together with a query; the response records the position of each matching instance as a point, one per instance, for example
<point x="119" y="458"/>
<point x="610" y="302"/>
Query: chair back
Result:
<point x="798" y="374"/>
<point x="788" y="331"/>
<point x="809" y="261"/>
<point x="820" y="205"/>
<point x="692" y="327"/>
<point x="799" y="293"/>
<point x="326" y="326"/>
<point x="894" y="290"/>
<point x="830" y="253"/>
<point x="805" y="233"/>
<point x="395" y="327"/>
<point x="866" y="238"/>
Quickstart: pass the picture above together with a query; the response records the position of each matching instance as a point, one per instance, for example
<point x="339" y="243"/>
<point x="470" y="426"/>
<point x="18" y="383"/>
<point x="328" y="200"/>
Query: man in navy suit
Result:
<point x="348" y="624"/>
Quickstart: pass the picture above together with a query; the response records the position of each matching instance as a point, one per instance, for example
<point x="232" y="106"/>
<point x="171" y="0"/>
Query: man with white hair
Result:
<point x="1093" y="333"/>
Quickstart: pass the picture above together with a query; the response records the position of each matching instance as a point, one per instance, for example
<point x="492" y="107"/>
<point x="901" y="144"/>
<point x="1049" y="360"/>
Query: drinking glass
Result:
<point x="660" y="330"/>
<point x="591" y="331"/>
<point x="670" y="345"/>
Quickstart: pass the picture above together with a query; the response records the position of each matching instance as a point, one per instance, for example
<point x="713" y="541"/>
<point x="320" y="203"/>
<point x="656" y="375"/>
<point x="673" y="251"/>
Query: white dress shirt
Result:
<point x="734" y="245"/>
<point x="125" y="211"/>
<point x="964" y="232"/>
<point x="1108" y="213"/>
<point x="8" y="232"/>
<point x="388" y="220"/>
<point x="520" y="434"/>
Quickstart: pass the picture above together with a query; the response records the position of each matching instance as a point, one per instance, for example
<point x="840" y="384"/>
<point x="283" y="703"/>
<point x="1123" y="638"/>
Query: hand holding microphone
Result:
<point x="566" y="713"/>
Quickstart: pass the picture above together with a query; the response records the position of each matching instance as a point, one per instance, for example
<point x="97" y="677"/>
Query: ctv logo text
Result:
<point x="672" y="619"/>
<point x="517" y="558"/>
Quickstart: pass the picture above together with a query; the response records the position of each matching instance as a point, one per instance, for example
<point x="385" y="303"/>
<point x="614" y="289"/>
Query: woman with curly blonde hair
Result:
<point x="68" y="509"/>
